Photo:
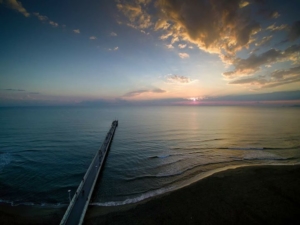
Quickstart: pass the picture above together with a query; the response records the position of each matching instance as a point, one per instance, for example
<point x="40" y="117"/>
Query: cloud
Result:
<point x="76" y="31"/>
<point x="45" y="18"/>
<point x="282" y="74"/>
<point x="174" y="39"/>
<point x="264" y="41"/>
<point x="229" y="29"/>
<point x="93" y="38"/>
<point x="170" y="46"/>
<point x="143" y="2"/>
<point x="184" y="55"/>
<point x="273" y="27"/>
<point x="282" y="77"/>
<point x="274" y="15"/>
<point x="214" y="26"/>
<point x="274" y="96"/>
<point x="219" y="27"/>
<point x="274" y="79"/>
<point x="161" y="24"/>
<point x="179" y="79"/>
<point x="40" y="17"/>
<point x="139" y="92"/>
<point x="144" y="32"/>
<point x="222" y="27"/>
<point x="260" y="80"/>
<point x="253" y="63"/>
<point x="114" y="49"/>
<point x="53" y="24"/>
<point x="158" y="90"/>
<point x="136" y="13"/>
<point x="243" y="4"/>
<point x="265" y="10"/>
<point x="295" y="31"/>
<point x="165" y="36"/>
<point x="17" y="6"/>
<point x="113" y="34"/>
<point x="11" y="89"/>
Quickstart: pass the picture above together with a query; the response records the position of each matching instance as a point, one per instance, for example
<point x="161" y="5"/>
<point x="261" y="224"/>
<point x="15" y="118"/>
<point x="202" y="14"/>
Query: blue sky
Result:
<point x="68" y="52"/>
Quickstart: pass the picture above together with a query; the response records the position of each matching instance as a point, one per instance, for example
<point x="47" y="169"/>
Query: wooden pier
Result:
<point x="77" y="208"/>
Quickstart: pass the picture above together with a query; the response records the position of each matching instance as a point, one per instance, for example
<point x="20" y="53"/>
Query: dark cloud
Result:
<point x="215" y="26"/>
<point x="295" y="31"/>
<point x="20" y="90"/>
<point x="275" y="96"/>
<point x="280" y="74"/>
<point x="266" y="11"/>
<point x="274" y="79"/>
<point x="251" y="80"/>
<point x="135" y="93"/>
<point x="139" y="92"/>
<point x="157" y="90"/>
<point x="253" y="63"/>
<point x="274" y="15"/>
<point x="11" y="89"/>
<point x="105" y="102"/>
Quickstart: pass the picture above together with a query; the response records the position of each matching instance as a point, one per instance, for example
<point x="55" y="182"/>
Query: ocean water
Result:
<point x="44" y="152"/>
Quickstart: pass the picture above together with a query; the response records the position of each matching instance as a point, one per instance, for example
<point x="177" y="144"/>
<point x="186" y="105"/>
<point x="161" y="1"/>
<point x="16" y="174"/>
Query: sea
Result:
<point x="45" y="151"/>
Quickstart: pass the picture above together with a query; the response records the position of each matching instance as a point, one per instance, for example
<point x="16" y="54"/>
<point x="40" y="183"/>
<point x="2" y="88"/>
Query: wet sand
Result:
<point x="248" y="195"/>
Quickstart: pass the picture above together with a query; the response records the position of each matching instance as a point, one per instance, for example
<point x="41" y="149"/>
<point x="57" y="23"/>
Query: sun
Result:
<point x="194" y="99"/>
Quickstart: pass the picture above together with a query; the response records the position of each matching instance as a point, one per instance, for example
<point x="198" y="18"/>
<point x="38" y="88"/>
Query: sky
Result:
<point x="62" y="52"/>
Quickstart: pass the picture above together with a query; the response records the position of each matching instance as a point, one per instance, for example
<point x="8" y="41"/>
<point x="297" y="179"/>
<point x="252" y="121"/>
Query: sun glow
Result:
<point x="194" y="99"/>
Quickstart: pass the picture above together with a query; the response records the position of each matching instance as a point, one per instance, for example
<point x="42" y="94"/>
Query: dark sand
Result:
<point x="32" y="215"/>
<point x="249" y="195"/>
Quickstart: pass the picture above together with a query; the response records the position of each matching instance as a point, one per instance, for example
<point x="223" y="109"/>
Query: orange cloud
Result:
<point x="184" y="55"/>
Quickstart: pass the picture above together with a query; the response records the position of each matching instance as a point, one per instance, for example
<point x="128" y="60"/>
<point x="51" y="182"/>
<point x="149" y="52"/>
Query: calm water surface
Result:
<point x="44" y="152"/>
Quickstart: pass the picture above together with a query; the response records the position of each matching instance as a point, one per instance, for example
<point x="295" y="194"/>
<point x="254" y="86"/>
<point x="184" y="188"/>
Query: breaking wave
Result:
<point x="134" y="200"/>
<point x="42" y="204"/>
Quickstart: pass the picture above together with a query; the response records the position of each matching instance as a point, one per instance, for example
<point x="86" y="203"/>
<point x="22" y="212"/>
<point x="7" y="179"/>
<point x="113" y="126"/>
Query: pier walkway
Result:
<point x="80" y="201"/>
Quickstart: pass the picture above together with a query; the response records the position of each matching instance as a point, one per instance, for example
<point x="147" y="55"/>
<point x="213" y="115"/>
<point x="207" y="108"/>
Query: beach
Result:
<point x="245" y="195"/>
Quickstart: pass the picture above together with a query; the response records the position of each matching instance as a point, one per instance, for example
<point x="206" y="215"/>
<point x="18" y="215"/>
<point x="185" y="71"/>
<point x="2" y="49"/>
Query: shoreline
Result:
<point x="267" y="194"/>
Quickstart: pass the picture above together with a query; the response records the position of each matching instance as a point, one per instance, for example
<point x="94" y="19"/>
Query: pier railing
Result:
<point x="106" y="144"/>
<point x="103" y="151"/>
